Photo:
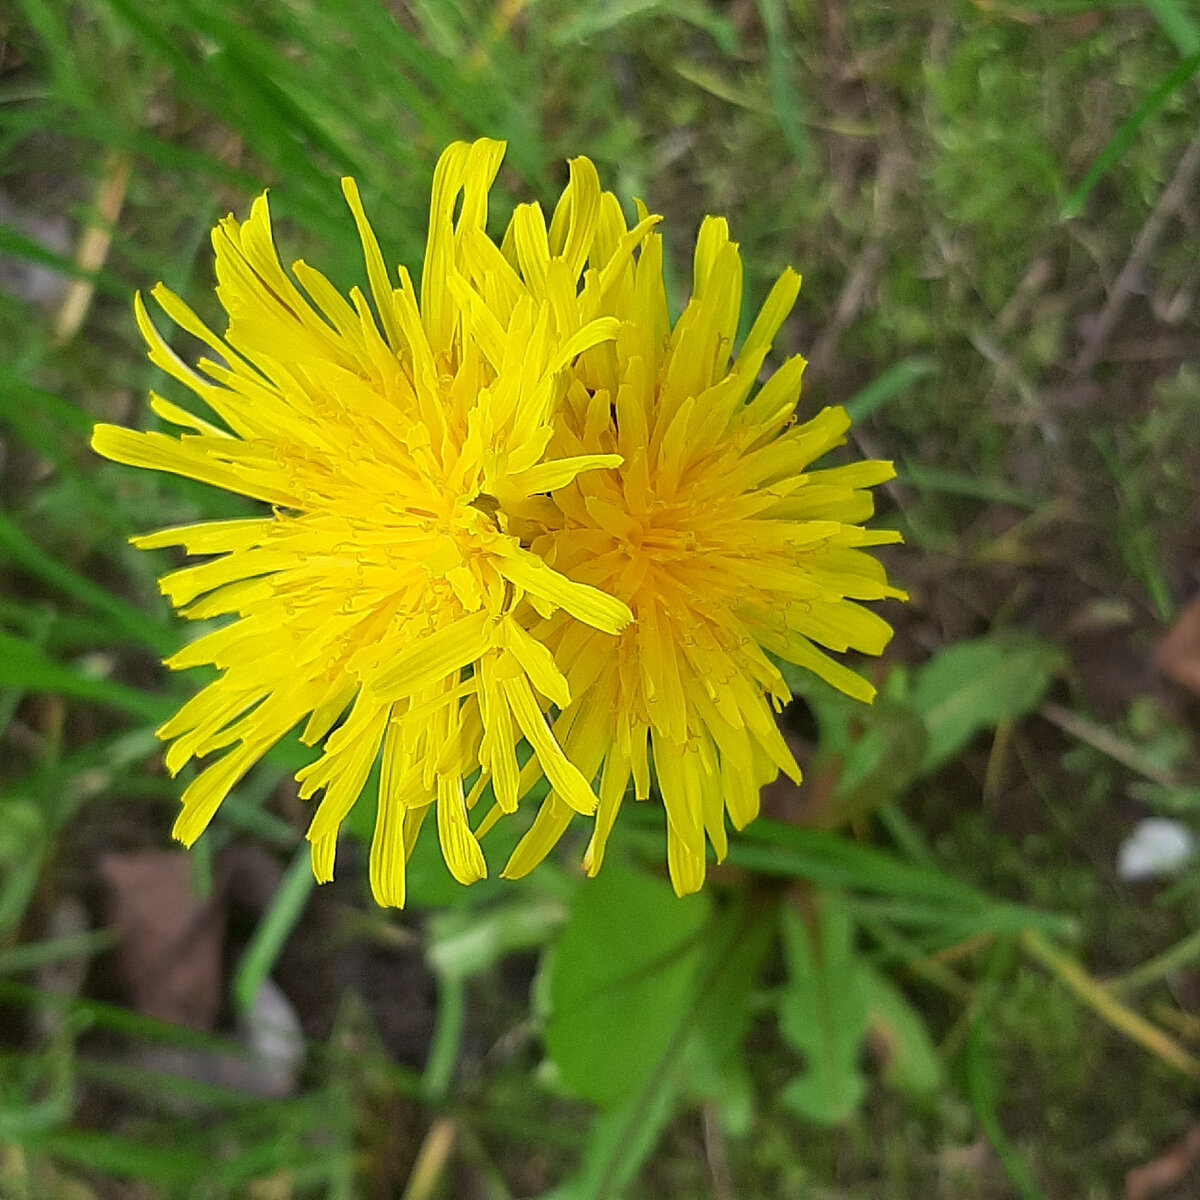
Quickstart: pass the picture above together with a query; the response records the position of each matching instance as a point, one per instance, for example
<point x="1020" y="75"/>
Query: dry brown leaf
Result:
<point x="1178" y="655"/>
<point x="1173" y="1169"/>
<point x="169" y="939"/>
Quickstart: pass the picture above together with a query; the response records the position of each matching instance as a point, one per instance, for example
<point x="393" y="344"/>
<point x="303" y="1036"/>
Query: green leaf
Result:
<point x="622" y="976"/>
<point x="701" y="1060"/>
<point x="715" y="1068"/>
<point x="975" y="685"/>
<point x="876" y="753"/>
<point x="619" y="1142"/>
<point x="823" y="1012"/>
<point x="910" y="1061"/>
<point x="464" y="941"/>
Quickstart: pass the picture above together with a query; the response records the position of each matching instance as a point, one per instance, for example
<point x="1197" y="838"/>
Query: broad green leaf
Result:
<point x="622" y="977"/>
<point x="620" y="1141"/>
<point x="910" y="1061"/>
<point x="824" y="1011"/>
<point x="708" y="1066"/>
<point x="975" y="685"/>
<point x="715" y="1069"/>
<point x="875" y="753"/>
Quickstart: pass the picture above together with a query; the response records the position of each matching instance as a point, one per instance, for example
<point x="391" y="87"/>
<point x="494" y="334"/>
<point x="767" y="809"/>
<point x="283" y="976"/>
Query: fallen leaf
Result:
<point x="169" y="940"/>
<point x="1178" y="654"/>
<point x="1176" y="1167"/>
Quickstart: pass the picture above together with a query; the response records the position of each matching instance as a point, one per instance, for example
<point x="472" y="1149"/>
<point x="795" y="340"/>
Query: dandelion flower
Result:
<point x="522" y="507"/>
<point x="386" y="598"/>
<point x="723" y="541"/>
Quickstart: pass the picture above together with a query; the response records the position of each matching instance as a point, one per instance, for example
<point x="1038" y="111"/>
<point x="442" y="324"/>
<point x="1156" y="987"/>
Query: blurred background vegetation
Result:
<point x="961" y="961"/>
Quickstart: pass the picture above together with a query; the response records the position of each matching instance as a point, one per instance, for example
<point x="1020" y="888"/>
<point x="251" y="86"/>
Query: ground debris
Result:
<point x="1178" y="654"/>
<point x="1173" y="1176"/>
<point x="169" y="940"/>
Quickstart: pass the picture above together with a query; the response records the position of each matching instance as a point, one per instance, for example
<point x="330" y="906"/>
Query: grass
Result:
<point x="968" y="190"/>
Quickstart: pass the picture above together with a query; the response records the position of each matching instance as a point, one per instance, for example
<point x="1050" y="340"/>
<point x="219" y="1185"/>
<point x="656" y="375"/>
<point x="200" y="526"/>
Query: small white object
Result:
<point x="1158" y="846"/>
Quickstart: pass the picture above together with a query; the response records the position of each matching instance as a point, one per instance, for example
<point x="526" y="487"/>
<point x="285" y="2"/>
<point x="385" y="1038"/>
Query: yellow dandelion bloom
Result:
<point x="521" y="507"/>
<point x="386" y="599"/>
<point x="722" y="540"/>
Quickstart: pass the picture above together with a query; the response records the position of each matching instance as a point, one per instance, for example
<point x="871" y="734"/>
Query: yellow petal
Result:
<point x="459" y="847"/>
<point x="564" y="776"/>
<point x="433" y="658"/>
<point x="586" y="603"/>
<point x="537" y="662"/>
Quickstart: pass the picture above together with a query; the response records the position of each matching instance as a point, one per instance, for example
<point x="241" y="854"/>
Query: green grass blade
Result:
<point x="983" y="1085"/>
<point x="17" y="547"/>
<point x="1177" y="23"/>
<point x="51" y="25"/>
<point x="25" y="665"/>
<point x="784" y="97"/>
<point x="446" y="1043"/>
<point x="286" y="906"/>
<point x="1123" y="138"/>
<point x="155" y="1086"/>
<point x="20" y="959"/>
<point x="974" y="487"/>
<point x="17" y="393"/>
<point x="893" y="383"/>
<point x="115" y="1019"/>
<point x="62" y="633"/>
<point x="828" y="859"/>
<point x="13" y="241"/>
<point x="174" y="1166"/>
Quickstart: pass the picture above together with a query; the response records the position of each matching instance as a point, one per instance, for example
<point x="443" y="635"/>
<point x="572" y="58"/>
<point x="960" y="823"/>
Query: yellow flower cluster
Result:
<point x="519" y="507"/>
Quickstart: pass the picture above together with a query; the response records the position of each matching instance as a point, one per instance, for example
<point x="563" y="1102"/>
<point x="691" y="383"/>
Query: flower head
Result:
<point x="387" y="589"/>
<point x="520" y="507"/>
<point x="724" y="543"/>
